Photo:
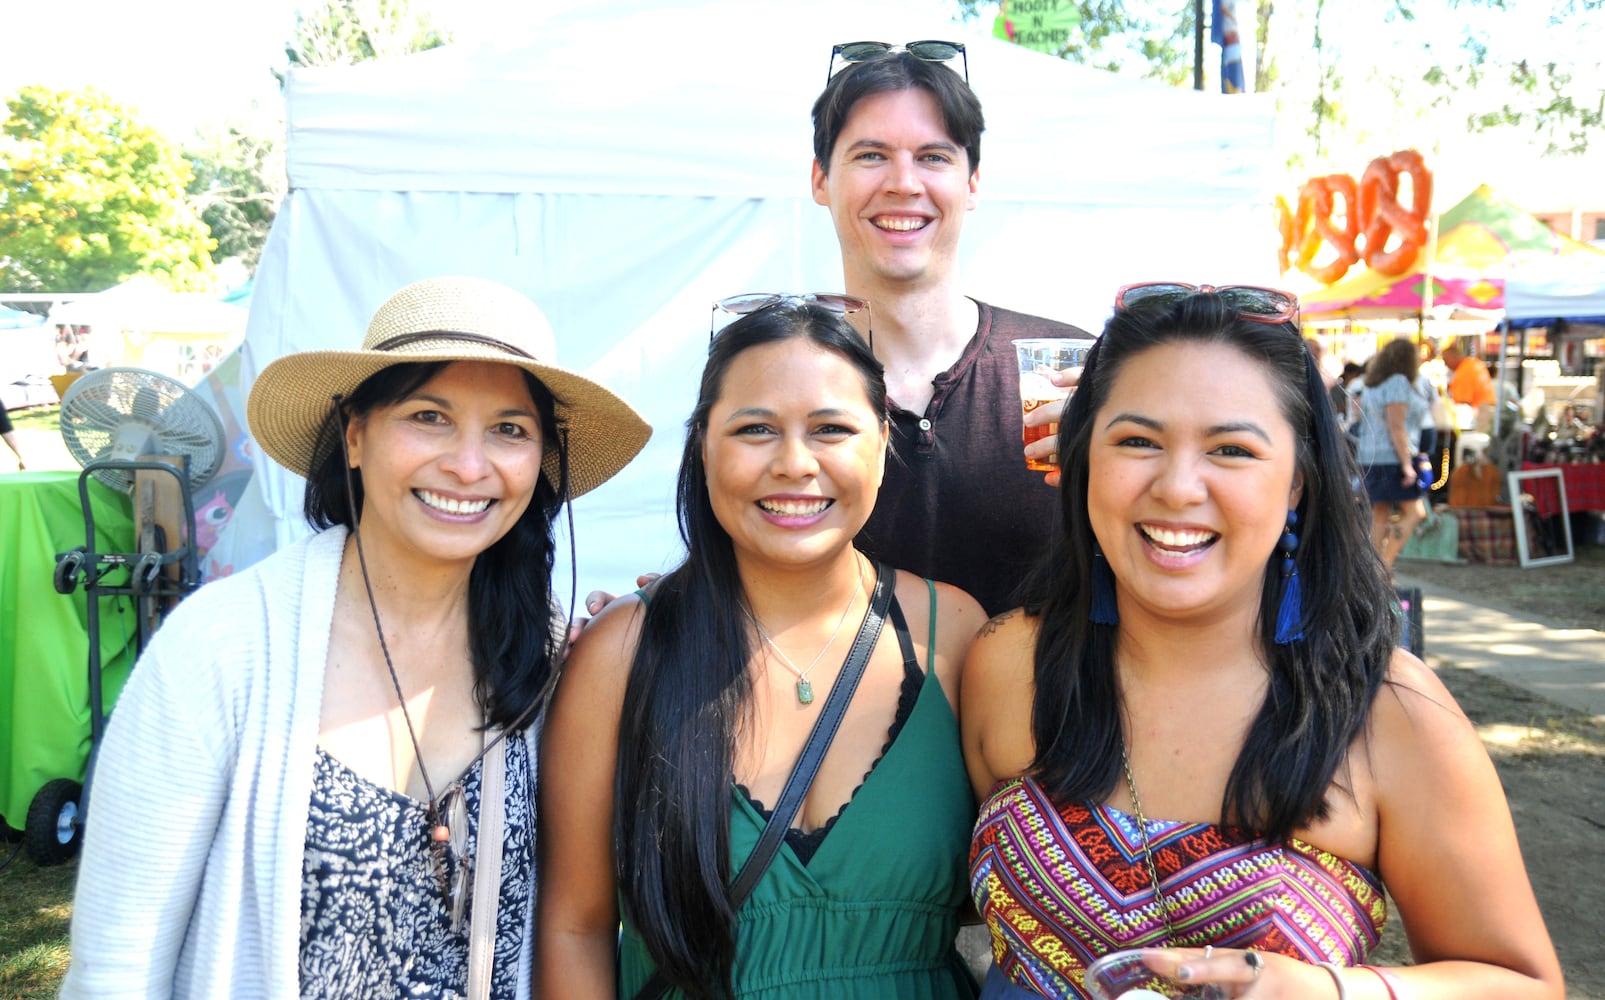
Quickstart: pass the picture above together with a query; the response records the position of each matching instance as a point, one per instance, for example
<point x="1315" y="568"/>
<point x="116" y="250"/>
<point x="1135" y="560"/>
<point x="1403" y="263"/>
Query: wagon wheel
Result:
<point x="53" y="832"/>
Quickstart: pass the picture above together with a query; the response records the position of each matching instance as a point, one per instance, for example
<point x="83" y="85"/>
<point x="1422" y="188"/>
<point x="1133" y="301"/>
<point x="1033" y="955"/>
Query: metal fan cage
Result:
<point x="124" y="413"/>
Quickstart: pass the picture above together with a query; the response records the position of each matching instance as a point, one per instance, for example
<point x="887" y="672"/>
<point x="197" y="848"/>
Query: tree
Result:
<point x="345" y="32"/>
<point x="90" y="197"/>
<point x="1558" y="97"/>
<point x="1146" y="38"/>
<point x="1468" y="68"/>
<point x="238" y="184"/>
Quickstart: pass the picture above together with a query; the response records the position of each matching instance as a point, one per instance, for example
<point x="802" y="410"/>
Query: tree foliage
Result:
<point x="346" y="32"/>
<point x="1534" y="92"/>
<point x="1144" y="38"/>
<point x="1472" y="70"/>
<point x="237" y="186"/>
<point x="90" y="197"/>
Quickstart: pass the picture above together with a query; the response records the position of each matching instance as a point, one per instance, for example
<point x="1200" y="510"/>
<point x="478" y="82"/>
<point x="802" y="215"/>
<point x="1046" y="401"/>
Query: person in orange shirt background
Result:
<point x="1469" y="381"/>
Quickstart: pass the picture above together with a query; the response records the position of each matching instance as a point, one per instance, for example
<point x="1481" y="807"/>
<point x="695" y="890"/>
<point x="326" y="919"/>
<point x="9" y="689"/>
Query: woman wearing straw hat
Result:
<point x="293" y="787"/>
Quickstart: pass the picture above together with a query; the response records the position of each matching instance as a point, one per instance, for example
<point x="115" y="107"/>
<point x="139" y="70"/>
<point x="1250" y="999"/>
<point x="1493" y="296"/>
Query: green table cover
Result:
<point x="44" y="642"/>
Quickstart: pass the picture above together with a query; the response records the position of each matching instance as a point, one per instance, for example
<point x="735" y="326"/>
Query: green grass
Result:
<point x="35" y="907"/>
<point x="38" y="418"/>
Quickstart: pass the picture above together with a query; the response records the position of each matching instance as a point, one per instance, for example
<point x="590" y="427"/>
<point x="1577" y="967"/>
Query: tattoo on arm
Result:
<point x="995" y="622"/>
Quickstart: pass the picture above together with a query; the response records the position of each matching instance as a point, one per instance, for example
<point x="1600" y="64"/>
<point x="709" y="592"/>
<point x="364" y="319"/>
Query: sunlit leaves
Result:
<point x="90" y="197"/>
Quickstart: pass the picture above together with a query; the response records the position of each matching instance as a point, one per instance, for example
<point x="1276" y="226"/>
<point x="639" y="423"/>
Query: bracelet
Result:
<point x="1337" y="977"/>
<point x="1388" y="982"/>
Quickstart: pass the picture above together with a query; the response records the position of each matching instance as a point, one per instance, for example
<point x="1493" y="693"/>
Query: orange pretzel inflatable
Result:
<point x="1285" y="228"/>
<point x="1371" y="215"/>
<point x="1382" y="216"/>
<point x="1314" y="225"/>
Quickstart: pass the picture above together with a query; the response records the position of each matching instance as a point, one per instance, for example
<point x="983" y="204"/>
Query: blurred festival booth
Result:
<point x="140" y="324"/>
<point x="629" y="163"/>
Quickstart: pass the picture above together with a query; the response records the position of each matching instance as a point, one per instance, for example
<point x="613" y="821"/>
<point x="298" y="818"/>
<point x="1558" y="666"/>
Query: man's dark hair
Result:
<point x="895" y="71"/>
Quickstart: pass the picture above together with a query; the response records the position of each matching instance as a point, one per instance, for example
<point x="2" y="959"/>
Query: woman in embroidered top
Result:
<point x="289" y="797"/>
<point x="1198" y="737"/>
<point x="683" y="710"/>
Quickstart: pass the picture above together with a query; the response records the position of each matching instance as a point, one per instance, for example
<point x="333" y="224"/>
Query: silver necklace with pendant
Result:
<point x="805" y="689"/>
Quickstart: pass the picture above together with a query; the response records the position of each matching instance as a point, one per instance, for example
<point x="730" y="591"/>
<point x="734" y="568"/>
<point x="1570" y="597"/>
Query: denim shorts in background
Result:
<point x="1383" y="484"/>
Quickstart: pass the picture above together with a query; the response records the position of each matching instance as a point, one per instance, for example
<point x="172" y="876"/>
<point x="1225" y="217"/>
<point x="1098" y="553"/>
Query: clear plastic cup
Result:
<point x="1039" y="357"/>
<point x="1122" y="975"/>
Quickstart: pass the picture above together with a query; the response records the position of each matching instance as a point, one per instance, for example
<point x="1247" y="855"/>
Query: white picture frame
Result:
<point x="1514" y="481"/>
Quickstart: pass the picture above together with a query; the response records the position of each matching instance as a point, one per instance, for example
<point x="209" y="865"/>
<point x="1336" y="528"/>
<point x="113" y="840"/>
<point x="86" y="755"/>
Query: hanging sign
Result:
<point x="1044" y="25"/>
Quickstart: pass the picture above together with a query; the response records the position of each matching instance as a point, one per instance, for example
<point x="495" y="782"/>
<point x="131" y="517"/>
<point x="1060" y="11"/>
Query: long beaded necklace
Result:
<point x="805" y="690"/>
<point x="438" y="818"/>
<point x="1147" y="851"/>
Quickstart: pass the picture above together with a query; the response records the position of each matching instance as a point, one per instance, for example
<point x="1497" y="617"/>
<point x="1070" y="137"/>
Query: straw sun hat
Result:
<point x="448" y="319"/>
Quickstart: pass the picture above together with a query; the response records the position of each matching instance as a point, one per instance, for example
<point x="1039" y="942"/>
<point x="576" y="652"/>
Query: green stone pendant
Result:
<point x="805" y="691"/>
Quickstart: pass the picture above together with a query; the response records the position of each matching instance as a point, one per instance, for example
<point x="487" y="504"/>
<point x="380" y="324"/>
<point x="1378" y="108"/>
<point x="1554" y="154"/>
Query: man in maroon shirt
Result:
<point x="897" y="148"/>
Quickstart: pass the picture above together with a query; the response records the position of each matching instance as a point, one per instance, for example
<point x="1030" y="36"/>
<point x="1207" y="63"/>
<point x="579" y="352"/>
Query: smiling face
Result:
<point x="1191" y="473"/>
<point x="794" y="453"/>
<point x="898" y="188"/>
<point x="448" y="469"/>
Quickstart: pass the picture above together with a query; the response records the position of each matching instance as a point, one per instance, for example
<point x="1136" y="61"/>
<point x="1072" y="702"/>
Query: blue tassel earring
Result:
<point x="1104" y="609"/>
<point x="1290" y="612"/>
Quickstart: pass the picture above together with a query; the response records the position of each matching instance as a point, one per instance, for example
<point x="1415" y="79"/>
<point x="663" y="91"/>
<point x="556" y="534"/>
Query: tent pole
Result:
<point x="1198" y="44"/>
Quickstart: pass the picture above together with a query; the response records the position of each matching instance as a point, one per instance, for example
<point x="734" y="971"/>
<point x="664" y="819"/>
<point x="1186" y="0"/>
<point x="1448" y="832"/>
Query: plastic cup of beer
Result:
<point x="1122" y="975"/>
<point x="1040" y="357"/>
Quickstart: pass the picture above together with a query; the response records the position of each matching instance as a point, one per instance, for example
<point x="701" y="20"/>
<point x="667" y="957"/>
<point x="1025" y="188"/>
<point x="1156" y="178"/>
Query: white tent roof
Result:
<point x="633" y="161"/>
<point x="1570" y="287"/>
<point x="143" y="306"/>
<point x="711" y="99"/>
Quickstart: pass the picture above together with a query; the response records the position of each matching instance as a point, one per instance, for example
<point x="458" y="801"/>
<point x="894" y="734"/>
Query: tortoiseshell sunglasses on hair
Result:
<point x="928" y="50"/>
<point x="1252" y="302"/>
<point x="750" y="302"/>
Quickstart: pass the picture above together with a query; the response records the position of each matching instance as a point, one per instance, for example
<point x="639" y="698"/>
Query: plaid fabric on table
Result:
<point x="1585" y="487"/>
<point x="1488" y="535"/>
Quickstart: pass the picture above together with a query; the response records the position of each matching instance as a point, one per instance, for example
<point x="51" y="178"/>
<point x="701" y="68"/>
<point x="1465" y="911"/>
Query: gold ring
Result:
<point x="1255" y="962"/>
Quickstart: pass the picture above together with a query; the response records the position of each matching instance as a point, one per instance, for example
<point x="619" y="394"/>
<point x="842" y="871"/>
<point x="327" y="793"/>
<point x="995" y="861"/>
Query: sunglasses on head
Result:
<point x="1251" y="302"/>
<point x="750" y="302"/>
<point x="929" y="50"/>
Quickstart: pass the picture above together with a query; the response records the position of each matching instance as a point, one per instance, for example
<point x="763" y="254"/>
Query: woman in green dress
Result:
<point x="682" y="710"/>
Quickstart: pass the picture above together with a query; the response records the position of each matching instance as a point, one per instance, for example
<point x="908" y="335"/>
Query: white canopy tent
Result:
<point x="635" y="161"/>
<point x="1570" y="288"/>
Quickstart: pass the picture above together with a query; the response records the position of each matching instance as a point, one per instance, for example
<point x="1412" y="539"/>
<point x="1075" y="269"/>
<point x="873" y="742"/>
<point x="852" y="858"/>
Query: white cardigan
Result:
<point x="190" y="882"/>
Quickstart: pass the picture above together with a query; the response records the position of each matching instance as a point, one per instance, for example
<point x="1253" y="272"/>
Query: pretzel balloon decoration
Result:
<point x="1382" y="216"/>
<point x="1285" y="227"/>
<point x="1317" y="203"/>
<point x="1358" y="220"/>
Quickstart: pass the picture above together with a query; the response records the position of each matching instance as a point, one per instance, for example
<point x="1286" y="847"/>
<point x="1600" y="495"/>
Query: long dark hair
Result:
<point x="688" y="695"/>
<point x="1321" y="687"/>
<point x="511" y="638"/>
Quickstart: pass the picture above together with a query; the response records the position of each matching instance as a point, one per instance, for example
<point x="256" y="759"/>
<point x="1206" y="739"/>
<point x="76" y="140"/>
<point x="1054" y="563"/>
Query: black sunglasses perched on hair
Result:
<point x="1252" y="302"/>
<point x="750" y="302"/>
<point x="930" y="50"/>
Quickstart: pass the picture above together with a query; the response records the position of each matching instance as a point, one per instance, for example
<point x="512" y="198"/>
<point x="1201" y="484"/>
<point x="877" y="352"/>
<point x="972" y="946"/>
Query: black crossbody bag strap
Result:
<point x="813" y="754"/>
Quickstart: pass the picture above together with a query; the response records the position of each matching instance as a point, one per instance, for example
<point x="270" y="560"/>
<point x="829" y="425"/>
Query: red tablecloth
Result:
<point x="1585" y="488"/>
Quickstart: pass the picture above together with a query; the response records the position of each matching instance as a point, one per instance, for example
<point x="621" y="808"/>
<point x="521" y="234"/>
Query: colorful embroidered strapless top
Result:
<point x="1058" y="887"/>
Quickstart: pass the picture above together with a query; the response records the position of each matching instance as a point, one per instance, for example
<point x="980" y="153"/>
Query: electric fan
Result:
<point x="144" y="434"/>
<point x="120" y="414"/>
